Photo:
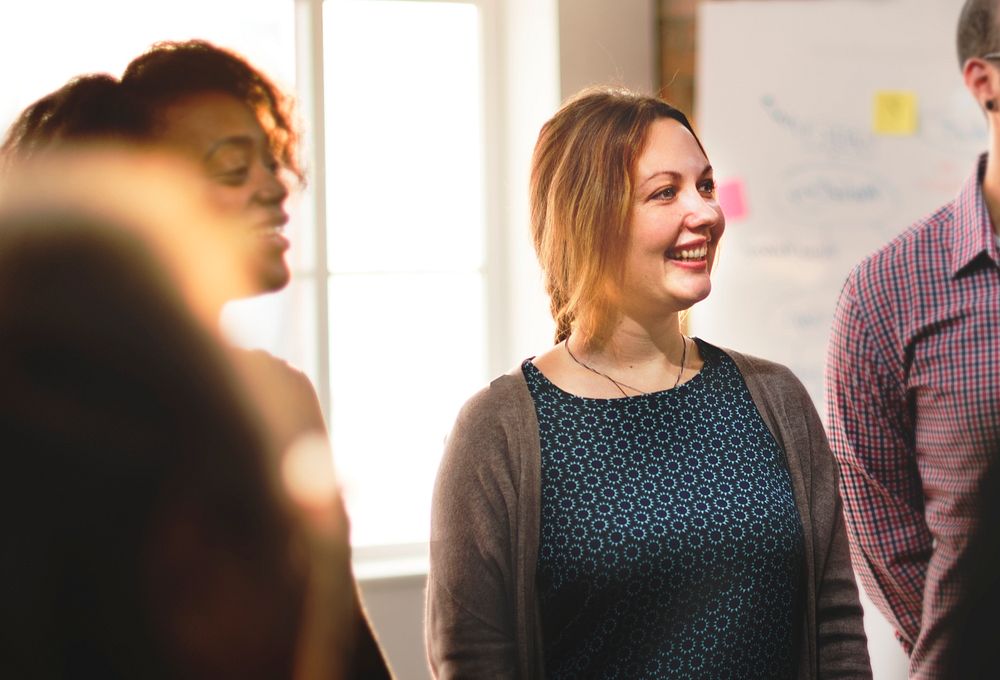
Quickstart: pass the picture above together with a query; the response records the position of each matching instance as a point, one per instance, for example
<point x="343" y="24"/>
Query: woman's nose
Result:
<point x="702" y="213"/>
<point x="271" y="189"/>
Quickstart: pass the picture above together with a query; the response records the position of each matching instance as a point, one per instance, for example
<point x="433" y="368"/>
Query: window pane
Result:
<point x="405" y="207"/>
<point x="407" y="350"/>
<point x="404" y="135"/>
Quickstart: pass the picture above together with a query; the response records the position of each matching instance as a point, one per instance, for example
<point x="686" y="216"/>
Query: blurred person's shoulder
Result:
<point x="265" y="366"/>
<point x="283" y="395"/>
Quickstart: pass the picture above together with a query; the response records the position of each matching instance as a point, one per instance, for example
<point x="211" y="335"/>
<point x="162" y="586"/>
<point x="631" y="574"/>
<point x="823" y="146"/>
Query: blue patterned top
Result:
<point x="671" y="546"/>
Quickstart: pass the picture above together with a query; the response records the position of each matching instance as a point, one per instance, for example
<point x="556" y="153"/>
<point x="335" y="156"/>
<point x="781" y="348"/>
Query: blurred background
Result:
<point x="832" y="125"/>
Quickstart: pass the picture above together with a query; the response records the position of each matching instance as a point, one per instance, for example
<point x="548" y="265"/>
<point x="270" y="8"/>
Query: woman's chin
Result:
<point x="269" y="277"/>
<point x="689" y="298"/>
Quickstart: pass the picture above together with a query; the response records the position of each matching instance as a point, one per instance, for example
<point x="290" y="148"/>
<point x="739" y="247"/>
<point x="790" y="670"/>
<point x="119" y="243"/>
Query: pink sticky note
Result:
<point x="732" y="198"/>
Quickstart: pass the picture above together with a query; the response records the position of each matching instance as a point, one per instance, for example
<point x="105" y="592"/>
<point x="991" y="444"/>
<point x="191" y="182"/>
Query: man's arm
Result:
<point x="871" y="437"/>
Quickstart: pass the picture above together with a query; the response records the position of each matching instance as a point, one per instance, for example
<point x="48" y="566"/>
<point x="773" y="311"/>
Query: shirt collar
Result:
<point x="973" y="232"/>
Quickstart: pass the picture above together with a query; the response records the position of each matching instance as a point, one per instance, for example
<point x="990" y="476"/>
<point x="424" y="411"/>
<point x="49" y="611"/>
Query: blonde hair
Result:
<point x="581" y="195"/>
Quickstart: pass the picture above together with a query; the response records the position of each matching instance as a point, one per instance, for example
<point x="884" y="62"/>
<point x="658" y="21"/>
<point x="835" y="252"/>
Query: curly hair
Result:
<point x="100" y="106"/>
<point x="87" y="107"/>
<point x="171" y="71"/>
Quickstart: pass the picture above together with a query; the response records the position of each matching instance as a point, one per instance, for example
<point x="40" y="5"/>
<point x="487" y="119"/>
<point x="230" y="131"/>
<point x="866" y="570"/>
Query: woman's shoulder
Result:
<point x="264" y="361"/>
<point x="505" y="399"/>
<point x="267" y="372"/>
<point x="284" y="395"/>
<point x="495" y="432"/>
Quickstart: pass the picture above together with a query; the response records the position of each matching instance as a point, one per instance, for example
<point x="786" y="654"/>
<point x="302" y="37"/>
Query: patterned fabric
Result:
<point x="913" y="385"/>
<point x="670" y="540"/>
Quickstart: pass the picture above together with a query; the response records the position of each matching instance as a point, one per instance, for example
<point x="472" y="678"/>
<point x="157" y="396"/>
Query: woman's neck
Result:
<point x="635" y="346"/>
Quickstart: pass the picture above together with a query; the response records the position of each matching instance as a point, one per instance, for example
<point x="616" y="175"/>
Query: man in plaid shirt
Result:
<point x="913" y="383"/>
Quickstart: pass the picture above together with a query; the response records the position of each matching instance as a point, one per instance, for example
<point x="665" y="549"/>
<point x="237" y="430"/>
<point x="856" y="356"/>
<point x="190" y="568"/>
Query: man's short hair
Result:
<point x="977" y="30"/>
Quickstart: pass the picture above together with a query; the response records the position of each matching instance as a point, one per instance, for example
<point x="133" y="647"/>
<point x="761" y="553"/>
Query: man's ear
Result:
<point x="983" y="82"/>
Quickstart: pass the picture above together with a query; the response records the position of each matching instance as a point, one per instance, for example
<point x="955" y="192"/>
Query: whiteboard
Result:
<point x="785" y="101"/>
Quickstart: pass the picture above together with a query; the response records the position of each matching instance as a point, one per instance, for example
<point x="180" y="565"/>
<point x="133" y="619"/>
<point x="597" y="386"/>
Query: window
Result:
<point x="405" y="234"/>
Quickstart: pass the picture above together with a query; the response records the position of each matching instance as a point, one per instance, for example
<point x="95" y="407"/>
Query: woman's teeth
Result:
<point x="698" y="253"/>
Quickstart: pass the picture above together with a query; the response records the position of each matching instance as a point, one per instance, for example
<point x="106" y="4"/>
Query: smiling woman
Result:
<point x="221" y="132"/>
<point x="219" y="117"/>
<point x="632" y="502"/>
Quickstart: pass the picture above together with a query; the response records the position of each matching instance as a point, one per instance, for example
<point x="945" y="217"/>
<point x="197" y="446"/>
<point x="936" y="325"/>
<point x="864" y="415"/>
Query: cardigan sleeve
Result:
<point x="470" y="627"/>
<point x="841" y="644"/>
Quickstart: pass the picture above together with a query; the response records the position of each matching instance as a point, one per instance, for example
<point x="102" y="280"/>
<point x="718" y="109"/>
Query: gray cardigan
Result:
<point x="482" y="617"/>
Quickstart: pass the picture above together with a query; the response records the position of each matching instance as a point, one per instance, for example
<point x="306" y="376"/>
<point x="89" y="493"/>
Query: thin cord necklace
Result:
<point x="620" y="385"/>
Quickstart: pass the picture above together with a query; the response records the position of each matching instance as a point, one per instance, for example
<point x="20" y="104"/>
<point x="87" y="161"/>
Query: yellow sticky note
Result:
<point x="895" y="112"/>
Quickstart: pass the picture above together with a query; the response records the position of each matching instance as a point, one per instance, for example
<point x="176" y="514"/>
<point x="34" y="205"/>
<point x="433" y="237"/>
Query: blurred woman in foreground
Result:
<point x="149" y="531"/>
<point x="634" y="503"/>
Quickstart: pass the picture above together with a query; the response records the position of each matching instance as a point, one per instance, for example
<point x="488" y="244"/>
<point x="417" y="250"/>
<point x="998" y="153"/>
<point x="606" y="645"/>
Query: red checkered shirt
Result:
<point x="913" y="387"/>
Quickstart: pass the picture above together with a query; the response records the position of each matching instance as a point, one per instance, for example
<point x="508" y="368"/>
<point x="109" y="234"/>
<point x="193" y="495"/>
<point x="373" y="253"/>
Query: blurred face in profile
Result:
<point x="226" y="138"/>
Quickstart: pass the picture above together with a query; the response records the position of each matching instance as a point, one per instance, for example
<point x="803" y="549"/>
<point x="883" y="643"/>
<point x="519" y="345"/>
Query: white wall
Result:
<point x="608" y="43"/>
<point x="395" y="607"/>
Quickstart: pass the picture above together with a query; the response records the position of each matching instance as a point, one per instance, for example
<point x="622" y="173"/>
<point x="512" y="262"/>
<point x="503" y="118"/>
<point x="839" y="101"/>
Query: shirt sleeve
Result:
<point x="870" y="436"/>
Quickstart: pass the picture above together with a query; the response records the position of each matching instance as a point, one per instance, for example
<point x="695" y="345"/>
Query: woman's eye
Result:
<point x="233" y="177"/>
<point x="665" y="194"/>
<point x="707" y="186"/>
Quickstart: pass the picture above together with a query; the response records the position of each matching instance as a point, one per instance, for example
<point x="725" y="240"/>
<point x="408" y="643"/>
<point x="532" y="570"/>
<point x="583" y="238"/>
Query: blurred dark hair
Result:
<point x="86" y="108"/>
<point x="100" y="106"/>
<point x="135" y="482"/>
